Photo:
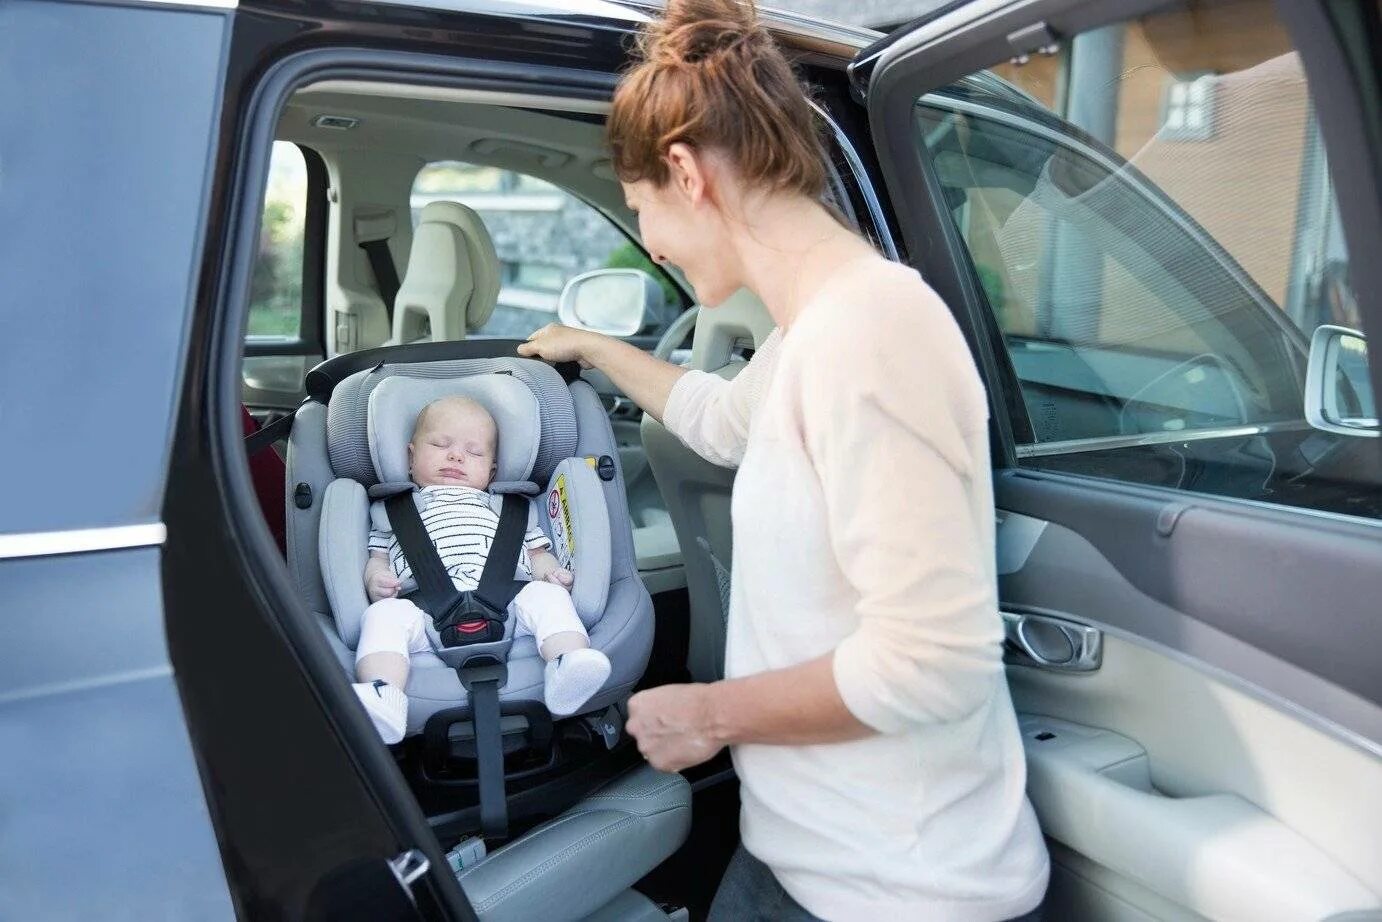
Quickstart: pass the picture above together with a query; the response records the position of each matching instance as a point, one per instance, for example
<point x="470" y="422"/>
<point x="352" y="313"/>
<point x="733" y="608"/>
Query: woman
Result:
<point x="865" y="706"/>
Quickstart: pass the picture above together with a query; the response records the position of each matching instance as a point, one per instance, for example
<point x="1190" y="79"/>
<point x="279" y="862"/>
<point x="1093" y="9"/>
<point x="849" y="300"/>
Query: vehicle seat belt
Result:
<point x="385" y="275"/>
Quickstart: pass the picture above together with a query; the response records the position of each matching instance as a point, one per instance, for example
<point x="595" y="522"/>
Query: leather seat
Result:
<point x="453" y="277"/>
<point x="581" y="864"/>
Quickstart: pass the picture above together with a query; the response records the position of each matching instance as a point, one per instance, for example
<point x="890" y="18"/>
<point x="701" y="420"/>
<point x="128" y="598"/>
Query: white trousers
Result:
<point x="399" y="626"/>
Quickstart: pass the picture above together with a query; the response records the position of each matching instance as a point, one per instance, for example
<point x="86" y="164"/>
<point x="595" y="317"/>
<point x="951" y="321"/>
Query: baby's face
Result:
<point x="454" y="444"/>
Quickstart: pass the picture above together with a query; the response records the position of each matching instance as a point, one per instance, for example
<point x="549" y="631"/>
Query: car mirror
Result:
<point x="616" y="302"/>
<point x="1338" y="394"/>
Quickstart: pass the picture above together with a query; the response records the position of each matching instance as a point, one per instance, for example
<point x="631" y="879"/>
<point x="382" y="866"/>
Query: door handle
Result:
<point x="1052" y="643"/>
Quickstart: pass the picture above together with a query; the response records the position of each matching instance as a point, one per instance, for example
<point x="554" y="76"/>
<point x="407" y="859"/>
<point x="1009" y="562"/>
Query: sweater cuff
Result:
<point x="682" y="395"/>
<point x="856" y="679"/>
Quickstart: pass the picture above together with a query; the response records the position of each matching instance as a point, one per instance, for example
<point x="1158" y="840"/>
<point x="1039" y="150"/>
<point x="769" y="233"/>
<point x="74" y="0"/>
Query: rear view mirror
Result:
<point x="615" y="302"/>
<point x="1338" y="394"/>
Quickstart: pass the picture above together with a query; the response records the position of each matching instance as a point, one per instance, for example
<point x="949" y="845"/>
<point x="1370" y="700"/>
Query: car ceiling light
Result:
<point x="338" y="122"/>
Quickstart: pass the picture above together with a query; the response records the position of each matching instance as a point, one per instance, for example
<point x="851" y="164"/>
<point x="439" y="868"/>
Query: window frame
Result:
<point x="311" y="338"/>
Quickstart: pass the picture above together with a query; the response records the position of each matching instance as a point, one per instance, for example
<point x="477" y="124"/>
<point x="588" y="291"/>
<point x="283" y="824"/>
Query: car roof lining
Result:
<point x="556" y="139"/>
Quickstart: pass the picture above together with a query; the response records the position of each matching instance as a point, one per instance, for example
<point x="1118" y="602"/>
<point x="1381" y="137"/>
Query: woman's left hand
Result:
<point x="672" y="726"/>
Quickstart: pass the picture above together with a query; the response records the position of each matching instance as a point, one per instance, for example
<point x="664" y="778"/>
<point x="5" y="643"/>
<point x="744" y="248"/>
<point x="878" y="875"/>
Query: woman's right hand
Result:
<point x="557" y="343"/>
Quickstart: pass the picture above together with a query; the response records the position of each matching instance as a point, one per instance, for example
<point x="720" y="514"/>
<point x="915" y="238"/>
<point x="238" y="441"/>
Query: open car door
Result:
<point x="1143" y="214"/>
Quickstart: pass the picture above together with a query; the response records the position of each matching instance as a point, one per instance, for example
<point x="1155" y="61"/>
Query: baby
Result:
<point x="452" y="460"/>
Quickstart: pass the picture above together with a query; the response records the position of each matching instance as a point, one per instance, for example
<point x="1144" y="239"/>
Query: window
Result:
<point x="276" y="285"/>
<point x="544" y="237"/>
<point x="1157" y="243"/>
<point x="1188" y="114"/>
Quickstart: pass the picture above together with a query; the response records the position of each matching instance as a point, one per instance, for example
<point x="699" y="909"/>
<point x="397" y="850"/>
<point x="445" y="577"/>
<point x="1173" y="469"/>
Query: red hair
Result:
<point x="710" y="76"/>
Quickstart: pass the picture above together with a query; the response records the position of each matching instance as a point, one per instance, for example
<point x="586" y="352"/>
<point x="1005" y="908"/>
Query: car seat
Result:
<point x="697" y="492"/>
<point x="351" y="436"/>
<point x="451" y="284"/>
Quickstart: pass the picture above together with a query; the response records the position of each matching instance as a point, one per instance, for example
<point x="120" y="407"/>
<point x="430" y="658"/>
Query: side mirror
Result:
<point x="1338" y="394"/>
<point x="616" y="302"/>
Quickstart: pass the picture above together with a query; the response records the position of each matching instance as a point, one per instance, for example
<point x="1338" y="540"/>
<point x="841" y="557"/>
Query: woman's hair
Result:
<point x="710" y="76"/>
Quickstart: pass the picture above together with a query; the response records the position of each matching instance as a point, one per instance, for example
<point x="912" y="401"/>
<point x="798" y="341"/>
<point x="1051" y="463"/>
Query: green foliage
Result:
<point x="276" y="284"/>
<point x="991" y="280"/>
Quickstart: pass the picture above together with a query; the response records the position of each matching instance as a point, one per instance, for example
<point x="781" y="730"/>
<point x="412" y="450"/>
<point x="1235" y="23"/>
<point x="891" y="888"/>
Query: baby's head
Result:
<point x="455" y="443"/>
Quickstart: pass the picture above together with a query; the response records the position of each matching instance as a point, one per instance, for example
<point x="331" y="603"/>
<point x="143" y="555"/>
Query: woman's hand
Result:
<point x="557" y="343"/>
<point x="672" y="725"/>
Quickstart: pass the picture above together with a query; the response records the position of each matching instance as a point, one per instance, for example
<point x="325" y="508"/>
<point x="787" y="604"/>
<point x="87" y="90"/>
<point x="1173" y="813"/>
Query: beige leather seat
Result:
<point x="696" y="492"/>
<point x="453" y="277"/>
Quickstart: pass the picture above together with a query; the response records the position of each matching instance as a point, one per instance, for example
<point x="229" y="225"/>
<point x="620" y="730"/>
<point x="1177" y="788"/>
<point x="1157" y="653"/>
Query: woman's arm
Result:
<point x="643" y="379"/>
<point x="708" y="413"/>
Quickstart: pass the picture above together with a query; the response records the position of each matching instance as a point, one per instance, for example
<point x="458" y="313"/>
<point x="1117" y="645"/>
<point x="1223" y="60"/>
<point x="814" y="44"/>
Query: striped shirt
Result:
<point x="462" y="523"/>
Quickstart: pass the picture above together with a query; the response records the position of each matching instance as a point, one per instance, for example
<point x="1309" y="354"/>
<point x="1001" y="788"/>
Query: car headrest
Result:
<point x="453" y="276"/>
<point x="371" y="415"/>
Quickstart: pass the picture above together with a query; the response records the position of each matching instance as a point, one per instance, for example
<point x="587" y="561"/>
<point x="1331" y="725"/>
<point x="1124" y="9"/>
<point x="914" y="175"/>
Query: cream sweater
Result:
<point x="864" y="526"/>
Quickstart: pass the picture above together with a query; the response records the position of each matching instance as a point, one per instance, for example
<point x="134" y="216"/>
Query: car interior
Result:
<point x="1124" y="730"/>
<point x="372" y="140"/>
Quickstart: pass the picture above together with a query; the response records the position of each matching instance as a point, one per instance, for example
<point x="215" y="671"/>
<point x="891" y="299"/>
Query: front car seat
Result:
<point x="697" y="492"/>
<point x="453" y="277"/>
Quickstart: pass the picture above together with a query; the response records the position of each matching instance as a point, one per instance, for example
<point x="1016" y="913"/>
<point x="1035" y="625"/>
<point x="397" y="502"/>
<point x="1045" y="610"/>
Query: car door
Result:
<point x="1140" y="214"/>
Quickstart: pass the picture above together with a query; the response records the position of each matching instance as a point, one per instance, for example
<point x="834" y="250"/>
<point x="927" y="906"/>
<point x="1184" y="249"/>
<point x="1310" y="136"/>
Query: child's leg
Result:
<point x="391" y="630"/>
<point x="574" y="671"/>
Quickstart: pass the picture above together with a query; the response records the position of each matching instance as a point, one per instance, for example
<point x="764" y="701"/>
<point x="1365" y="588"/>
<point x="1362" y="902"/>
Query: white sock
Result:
<point x="572" y="678"/>
<point x="387" y="706"/>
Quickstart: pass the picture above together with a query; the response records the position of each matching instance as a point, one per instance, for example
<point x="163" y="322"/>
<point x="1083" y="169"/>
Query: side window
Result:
<point x="1148" y="213"/>
<point x="544" y="236"/>
<point x="276" y="285"/>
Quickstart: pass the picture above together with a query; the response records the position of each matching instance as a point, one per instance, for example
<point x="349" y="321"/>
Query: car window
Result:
<point x="1148" y="213"/>
<point x="276" y="285"/>
<point x="543" y="235"/>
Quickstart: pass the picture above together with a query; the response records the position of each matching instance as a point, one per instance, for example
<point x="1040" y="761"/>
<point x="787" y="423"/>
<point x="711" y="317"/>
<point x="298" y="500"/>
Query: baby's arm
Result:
<point x="380" y="582"/>
<point x="546" y="568"/>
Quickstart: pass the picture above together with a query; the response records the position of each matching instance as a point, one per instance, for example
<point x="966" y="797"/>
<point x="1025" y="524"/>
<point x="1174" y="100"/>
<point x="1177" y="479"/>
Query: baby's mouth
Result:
<point x="451" y="473"/>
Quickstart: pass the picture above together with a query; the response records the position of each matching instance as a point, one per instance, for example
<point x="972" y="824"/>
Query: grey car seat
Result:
<point x="697" y="492"/>
<point x="582" y="863"/>
<point x="331" y="464"/>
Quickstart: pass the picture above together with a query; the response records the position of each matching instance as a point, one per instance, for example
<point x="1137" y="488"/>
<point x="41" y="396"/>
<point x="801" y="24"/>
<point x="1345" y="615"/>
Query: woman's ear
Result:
<point x="687" y="173"/>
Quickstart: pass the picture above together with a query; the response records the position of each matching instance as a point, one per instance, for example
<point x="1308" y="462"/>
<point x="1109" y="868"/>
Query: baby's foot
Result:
<point x="572" y="678"/>
<point x="386" y="706"/>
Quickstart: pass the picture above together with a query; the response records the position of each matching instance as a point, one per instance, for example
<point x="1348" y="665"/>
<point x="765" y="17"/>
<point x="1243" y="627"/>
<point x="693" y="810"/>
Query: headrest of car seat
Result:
<point x="395" y="404"/>
<point x="453" y="276"/>
<point x="367" y="435"/>
<point x="740" y="318"/>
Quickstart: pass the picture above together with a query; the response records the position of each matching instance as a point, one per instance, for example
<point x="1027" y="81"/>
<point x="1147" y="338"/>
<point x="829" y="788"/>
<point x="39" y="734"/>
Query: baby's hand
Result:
<point x="562" y="577"/>
<point x="381" y="584"/>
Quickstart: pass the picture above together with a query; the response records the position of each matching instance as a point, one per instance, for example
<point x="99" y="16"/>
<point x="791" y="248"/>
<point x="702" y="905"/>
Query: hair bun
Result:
<point x="692" y="31"/>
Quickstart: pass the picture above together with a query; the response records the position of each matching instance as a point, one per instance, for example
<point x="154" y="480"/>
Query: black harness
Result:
<point x="473" y="617"/>
<point x="461" y="618"/>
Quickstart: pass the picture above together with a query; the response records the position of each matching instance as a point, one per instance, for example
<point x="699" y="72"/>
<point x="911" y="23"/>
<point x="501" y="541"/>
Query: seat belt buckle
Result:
<point x="469" y="852"/>
<point x="608" y="725"/>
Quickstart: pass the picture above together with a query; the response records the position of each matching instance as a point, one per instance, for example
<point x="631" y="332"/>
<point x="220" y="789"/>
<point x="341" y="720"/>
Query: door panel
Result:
<point x="1138" y="266"/>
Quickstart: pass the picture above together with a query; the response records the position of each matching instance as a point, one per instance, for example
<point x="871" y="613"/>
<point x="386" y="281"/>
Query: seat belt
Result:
<point x="461" y="618"/>
<point x="264" y="436"/>
<point x="476" y="616"/>
<point x="385" y="275"/>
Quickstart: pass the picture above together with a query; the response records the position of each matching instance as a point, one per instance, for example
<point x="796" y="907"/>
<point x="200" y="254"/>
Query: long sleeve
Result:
<point x="711" y="415"/>
<point x="891" y="437"/>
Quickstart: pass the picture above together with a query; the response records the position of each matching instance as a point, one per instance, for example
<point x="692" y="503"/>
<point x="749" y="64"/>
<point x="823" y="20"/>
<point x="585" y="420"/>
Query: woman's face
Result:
<point x="681" y="224"/>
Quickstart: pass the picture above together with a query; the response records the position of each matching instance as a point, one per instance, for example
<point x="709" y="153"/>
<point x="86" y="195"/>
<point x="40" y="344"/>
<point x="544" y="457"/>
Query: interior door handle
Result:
<point x="1052" y="643"/>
